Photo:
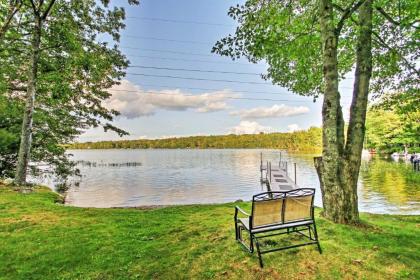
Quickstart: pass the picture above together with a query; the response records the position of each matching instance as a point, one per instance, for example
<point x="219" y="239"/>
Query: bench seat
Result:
<point x="272" y="227"/>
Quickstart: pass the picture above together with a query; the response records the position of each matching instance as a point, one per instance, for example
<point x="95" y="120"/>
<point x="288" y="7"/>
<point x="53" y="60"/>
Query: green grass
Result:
<point x="40" y="239"/>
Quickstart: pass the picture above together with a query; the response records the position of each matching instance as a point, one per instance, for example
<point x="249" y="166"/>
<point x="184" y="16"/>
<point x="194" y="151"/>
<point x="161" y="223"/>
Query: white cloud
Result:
<point x="293" y="127"/>
<point x="133" y="102"/>
<point x="271" y="112"/>
<point x="247" y="127"/>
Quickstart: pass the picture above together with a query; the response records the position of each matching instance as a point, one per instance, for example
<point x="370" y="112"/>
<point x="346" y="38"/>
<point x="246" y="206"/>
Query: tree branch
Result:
<point x="346" y="14"/>
<point x="391" y="20"/>
<point x="382" y="42"/>
<point x="13" y="10"/>
<point x="338" y="7"/>
<point x="385" y="45"/>
<point x="36" y="12"/>
<point x="388" y="17"/>
<point x="47" y="11"/>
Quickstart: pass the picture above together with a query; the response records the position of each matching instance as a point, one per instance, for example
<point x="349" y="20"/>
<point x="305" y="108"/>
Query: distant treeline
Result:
<point x="306" y="140"/>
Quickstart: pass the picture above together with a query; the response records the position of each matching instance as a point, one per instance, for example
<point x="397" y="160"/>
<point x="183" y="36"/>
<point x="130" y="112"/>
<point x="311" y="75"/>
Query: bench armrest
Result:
<point x="237" y="209"/>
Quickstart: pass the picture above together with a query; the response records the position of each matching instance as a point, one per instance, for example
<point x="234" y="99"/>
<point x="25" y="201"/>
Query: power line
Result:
<point x="179" y="21"/>
<point x="167" y="51"/>
<point x="192" y="60"/>
<point x="197" y="79"/>
<point x="205" y="71"/>
<point x="193" y="70"/>
<point x="187" y="60"/>
<point x="203" y="79"/>
<point x="168" y="40"/>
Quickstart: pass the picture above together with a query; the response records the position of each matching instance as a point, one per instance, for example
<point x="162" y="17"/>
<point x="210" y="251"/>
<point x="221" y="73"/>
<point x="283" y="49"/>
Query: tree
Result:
<point x="393" y="123"/>
<point x="50" y="52"/>
<point x="309" y="46"/>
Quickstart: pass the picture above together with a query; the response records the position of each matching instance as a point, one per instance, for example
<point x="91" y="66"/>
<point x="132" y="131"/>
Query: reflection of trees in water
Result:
<point x="395" y="181"/>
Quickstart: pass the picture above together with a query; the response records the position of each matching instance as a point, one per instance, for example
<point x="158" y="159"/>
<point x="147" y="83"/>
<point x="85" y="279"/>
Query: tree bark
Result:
<point x="26" y="133"/>
<point x="330" y="166"/>
<point x="338" y="168"/>
<point x="356" y="129"/>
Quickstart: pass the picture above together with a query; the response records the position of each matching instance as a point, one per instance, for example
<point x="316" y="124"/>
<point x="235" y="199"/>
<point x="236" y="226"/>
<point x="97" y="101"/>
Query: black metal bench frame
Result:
<point x="258" y="233"/>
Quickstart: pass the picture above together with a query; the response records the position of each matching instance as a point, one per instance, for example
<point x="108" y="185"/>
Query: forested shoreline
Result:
<point x="305" y="141"/>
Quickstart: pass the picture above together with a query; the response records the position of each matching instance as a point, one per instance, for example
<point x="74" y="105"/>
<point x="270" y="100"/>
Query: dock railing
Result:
<point x="282" y="165"/>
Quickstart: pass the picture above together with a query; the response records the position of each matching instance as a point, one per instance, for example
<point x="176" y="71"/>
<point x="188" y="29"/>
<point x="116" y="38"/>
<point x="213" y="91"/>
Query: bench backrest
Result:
<point x="271" y="208"/>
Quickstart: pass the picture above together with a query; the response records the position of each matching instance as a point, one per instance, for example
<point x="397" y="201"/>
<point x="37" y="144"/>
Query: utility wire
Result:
<point x="169" y="40"/>
<point x="167" y="51"/>
<point x="187" y="60"/>
<point x="203" y="79"/>
<point x="193" y="70"/>
<point x="203" y="71"/>
<point x="200" y="61"/>
<point x="197" y="79"/>
<point x="190" y="60"/>
<point x="179" y="21"/>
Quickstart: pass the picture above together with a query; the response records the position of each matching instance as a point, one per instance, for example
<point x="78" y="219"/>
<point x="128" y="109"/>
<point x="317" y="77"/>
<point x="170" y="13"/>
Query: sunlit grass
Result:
<point x="40" y="239"/>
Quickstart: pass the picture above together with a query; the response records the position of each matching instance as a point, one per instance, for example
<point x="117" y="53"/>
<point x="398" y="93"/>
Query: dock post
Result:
<point x="266" y="172"/>
<point x="286" y="167"/>
<point x="280" y="161"/>
<point x="261" y="167"/>
<point x="295" y="173"/>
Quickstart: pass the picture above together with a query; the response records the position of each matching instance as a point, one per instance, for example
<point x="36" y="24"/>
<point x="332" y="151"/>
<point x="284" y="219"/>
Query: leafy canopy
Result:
<point x="286" y="34"/>
<point x="80" y="59"/>
<point x="394" y="122"/>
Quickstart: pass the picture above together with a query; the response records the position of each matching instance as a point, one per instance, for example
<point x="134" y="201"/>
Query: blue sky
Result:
<point x="156" y="107"/>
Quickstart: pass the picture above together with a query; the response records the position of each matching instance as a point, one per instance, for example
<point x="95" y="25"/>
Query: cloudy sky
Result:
<point x="177" y="87"/>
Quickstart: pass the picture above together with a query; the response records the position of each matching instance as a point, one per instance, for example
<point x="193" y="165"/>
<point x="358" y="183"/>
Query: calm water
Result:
<point x="161" y="177"/>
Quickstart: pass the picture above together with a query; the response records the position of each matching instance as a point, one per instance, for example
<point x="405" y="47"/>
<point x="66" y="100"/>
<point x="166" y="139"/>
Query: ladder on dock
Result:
<point x="276" y="177"/>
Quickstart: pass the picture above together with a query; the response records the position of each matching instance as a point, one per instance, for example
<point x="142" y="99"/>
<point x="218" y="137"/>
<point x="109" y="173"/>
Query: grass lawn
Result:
<point x="40" y="239"/>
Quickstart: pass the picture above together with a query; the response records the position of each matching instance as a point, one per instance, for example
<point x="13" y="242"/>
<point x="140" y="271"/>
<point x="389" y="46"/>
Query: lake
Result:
<point x="123" y="178"/>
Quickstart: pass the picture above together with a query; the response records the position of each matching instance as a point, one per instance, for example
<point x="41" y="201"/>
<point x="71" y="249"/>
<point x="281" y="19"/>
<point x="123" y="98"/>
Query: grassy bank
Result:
<point x="40" y="239"/>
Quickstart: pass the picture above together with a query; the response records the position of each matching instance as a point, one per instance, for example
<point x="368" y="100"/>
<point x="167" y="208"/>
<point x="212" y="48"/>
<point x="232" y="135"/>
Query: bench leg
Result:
<point x="239" y="232"/>
<point x="258" y="251"/>
<point x="310" y="232"/>
<point x="316" y="238"/>
<point x="251" y="243"/>
<point x="236" y="230"/>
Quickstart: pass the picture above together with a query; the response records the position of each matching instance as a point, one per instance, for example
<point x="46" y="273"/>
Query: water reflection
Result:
<point x="393" y="183"/>
<point x="215" y="176"/>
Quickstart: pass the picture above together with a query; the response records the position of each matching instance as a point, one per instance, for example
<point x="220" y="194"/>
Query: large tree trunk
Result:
<point x="338" y="168"/>
<point x="356" y="129"/>
<point x="26" y="133"/>
<point x="330" y="166"/>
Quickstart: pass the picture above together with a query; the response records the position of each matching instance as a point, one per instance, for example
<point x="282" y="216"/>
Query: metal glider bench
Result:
<point x="275" y="213"/>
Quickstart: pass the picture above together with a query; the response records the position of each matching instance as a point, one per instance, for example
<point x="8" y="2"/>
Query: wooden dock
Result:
<point x="276" y="177"/>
